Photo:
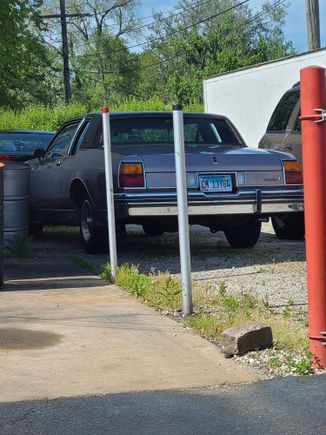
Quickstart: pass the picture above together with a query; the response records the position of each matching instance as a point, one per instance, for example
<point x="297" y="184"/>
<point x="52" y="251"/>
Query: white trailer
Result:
<point x="248" y="96"/>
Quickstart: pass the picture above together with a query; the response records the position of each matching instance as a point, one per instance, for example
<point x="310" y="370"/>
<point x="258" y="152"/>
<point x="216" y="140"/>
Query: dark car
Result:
<point x="231" y="187"/>
<point x="284" y="134"/>
<point x="19" y="145"/>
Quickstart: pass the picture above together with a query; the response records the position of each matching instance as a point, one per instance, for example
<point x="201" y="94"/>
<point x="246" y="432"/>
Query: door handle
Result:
<point x="289" y="147"/>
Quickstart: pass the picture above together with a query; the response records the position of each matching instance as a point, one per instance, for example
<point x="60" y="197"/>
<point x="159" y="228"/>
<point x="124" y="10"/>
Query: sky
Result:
<point x="295" y="23"/>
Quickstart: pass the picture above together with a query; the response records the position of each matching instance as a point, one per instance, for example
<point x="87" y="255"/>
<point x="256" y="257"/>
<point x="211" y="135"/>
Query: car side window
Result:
<point x="80" y="137"/>
<point x="61" y="143"/>
<point x="282" y="113"/>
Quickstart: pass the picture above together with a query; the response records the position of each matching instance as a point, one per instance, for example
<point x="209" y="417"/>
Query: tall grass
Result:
<point x="44" y="118"/>
<point x="39" y="117"/>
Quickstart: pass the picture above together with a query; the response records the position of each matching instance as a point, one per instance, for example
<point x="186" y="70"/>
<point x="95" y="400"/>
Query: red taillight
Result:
<point x="5" y="158"/>
<point x="293" y="172"/>
<point x="131" y="175"/>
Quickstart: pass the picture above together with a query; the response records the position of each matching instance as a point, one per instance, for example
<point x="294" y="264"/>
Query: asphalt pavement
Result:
<point x="279" y="406"/>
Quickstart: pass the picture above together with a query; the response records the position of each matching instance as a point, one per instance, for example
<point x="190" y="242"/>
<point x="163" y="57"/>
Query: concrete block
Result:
<point x="241" y="339"/>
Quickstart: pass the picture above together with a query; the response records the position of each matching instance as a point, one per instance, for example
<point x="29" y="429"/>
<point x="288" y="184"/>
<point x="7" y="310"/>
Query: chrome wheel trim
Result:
<point x="86" y="223"/>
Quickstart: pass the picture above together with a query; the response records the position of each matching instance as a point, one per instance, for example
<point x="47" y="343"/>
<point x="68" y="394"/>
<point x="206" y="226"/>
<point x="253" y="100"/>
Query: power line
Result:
<point x="153" y="22"/>
<point x="204" y="20"/>
<point x="182" y="10"/>
<point x="84" y="14"/>
<point x="167" y="59"/>
<point x="101" y="82"/>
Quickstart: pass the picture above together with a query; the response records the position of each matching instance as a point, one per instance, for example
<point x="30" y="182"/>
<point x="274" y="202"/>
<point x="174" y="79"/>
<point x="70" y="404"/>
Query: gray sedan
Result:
<point x="231" y="187"/>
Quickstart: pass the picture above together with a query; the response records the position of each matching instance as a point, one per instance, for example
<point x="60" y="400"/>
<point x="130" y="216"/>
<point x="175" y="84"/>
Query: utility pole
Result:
<point x="65" y="51"/>
<point x="313" y="29"/>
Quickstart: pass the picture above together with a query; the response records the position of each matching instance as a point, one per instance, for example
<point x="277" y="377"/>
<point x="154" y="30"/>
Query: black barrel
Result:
<point x="16" y="188"/>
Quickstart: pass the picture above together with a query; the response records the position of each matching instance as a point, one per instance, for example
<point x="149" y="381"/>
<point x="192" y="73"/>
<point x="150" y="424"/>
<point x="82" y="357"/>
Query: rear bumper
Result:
<point x="249" y="202"/>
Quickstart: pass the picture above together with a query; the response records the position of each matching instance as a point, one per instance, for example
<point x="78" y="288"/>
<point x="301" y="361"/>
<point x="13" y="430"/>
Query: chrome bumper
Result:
<point x="264" y="202"/>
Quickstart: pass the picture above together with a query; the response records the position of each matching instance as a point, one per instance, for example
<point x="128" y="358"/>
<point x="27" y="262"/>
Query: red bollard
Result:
<point x="313" y="96"/>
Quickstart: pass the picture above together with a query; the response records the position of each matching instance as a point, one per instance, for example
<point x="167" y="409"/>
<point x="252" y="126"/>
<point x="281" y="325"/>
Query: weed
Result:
<point x="106" y="273"/>
<point x="129" y="278"/>
<point x="222" y="288"/>
<point x="84" y="264"/>
<point x="263" y="270"/>
<point x="208" y="325"/>
<point x="288" y="309"/>
<point x="302" y="367"/>
<point x="274" y="362"/>
<point x="18" y="246"/>
<point x="158" y="290"/>
<point x="170" y="292"/>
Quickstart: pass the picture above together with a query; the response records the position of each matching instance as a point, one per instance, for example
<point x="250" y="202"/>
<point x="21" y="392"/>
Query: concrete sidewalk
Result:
<point x="64" y="332"/>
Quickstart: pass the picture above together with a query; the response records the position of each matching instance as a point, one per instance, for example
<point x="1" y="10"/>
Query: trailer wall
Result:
<point x="249" y="96"/>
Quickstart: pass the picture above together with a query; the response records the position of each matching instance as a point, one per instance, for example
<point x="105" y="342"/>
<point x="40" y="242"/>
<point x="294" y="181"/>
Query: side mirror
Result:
<point x="39" y="153"/>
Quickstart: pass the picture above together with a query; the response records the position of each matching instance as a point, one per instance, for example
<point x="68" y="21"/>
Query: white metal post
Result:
<point x="181" y="180"/>
<point x="109" y="191"/>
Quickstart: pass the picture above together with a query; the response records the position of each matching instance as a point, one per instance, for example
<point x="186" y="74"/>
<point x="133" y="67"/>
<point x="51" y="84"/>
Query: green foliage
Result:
<point x="159" y="291"/>
<point x="26" y="61"/>
<point x="208" y="325"/>
<point x="18" y="246"/>
<point x="168" y="294"/>
<point x="181" y="50"/>
<point x="105" y="71"/>
<point x="134" y="282"/>
<point x="84" y="264"/>
<point x="40" y="117"/>
<point x="288" y="310"/>
<point x="289" y="362"/>
<point x="46" y="118"/>
<point x="302" y="367"/>
<point x="106" y="273"/>
<point x="187" y="51"/>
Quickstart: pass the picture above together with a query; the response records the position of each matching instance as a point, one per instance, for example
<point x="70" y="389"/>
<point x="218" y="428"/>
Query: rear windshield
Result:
<point x="208" y="131"/>
<point x="23" y="143"/>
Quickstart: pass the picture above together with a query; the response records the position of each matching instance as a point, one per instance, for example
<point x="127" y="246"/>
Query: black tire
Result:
<point x="245" y="235"/>
<point x="289" y="226"/>
<point x="94" y="237"/>
<point x="150" y="230"/>
<point x="36" y="229"/>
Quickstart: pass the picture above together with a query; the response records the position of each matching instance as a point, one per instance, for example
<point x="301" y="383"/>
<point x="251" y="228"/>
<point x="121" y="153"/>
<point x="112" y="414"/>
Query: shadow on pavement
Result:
<point x="278" y="406"/>
<point x="46" y="274"/>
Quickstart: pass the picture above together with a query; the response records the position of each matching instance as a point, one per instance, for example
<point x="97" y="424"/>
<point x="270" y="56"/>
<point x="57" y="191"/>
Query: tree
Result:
<point x="102" y="68"/>
<point x="206" y="38"/>
<point x="25" y="60"/>
<point x="106" y="72"/>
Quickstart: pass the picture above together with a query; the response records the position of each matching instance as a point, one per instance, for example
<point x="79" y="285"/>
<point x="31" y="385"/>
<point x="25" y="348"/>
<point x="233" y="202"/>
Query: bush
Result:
<point x="44" y="118"/>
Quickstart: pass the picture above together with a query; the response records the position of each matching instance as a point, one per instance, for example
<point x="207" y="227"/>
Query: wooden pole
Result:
<point x="313" y="28"/>
<point x="65" y="52"/>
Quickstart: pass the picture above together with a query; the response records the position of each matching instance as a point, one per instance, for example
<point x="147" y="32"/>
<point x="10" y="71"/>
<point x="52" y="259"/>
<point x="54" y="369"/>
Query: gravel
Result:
<point x="274" y="270"/>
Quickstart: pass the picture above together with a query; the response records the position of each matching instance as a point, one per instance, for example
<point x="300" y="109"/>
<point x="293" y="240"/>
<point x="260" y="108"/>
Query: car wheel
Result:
<point x="289" y="226"/>
<point x="94" y="237"/>
<point x="150" y="230"/>
<point x="245" y="235"/>
<point x="36" y="229"/>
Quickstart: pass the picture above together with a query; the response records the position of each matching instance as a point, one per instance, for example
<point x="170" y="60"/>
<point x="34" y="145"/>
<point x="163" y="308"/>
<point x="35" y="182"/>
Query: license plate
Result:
<point x="215" y="183"/>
